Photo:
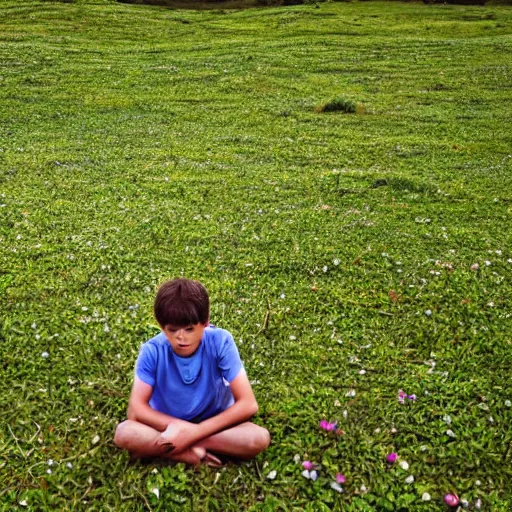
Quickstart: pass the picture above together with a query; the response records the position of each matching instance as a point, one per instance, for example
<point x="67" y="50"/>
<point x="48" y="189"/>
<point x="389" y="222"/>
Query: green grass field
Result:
<point x="141" y="143"/>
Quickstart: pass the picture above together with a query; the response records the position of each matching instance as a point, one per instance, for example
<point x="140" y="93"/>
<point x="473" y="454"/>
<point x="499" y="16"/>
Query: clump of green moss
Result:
<point x="341" y="105"/>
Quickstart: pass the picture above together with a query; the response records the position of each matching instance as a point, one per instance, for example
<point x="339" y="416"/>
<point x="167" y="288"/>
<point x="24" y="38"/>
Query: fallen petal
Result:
<point x="391" y="458"/>
<point x="451" y="500"/>
<point x="156" y="492"/>
<point x="272" y="475"/>
<point x="340" y="478"/>
<point x="404" y="465"/>
<point x="426" y="496"/>
<point x="337" y="487"/>
<point x="313" y="475"/>
<point x="409" y="479"/>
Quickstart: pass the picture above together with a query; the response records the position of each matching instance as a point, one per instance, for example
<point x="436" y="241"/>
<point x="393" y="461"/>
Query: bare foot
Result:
<point x="194" y="456"/>
<point x="212" y="461"/>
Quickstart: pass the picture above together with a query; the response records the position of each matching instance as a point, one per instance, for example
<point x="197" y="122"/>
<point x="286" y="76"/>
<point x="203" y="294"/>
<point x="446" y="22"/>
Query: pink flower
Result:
<point x="307" y="465"/>
<point x="329" y="427"/>
<point x="341" y="479"/>
<point x="391" y="458"/>
<point x="475" y="266"/>
<point x="452" y="500"/>
<point x="412" y="397"/>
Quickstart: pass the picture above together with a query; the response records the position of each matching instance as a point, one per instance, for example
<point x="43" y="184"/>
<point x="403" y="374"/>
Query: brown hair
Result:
<point x="181" y="302"/>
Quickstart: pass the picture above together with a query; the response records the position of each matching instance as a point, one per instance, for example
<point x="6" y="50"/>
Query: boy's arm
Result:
<point x="140" y="410"/>
<point x="245" y="406"/>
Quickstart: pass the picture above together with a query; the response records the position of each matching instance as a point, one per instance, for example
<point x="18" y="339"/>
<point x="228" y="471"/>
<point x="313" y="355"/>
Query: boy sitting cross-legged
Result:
<point x="191" y="397"/>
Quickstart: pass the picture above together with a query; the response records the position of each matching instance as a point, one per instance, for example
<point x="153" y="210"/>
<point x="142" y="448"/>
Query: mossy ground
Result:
<point x="140" y="143"/>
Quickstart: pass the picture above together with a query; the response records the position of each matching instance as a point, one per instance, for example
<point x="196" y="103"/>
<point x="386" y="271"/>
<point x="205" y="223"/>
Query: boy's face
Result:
<point x="184" y="340"/>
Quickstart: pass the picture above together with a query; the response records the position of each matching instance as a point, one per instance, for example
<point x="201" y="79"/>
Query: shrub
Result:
<point x="340" y="105"/>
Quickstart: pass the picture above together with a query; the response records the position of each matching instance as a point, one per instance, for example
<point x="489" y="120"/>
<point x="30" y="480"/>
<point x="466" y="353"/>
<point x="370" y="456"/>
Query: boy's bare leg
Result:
<point x="243" y="441"/>
<point x="143" y="441"/>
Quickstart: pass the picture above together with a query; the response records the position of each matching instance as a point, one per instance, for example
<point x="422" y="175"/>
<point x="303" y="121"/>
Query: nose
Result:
<point x="179" y="334"/>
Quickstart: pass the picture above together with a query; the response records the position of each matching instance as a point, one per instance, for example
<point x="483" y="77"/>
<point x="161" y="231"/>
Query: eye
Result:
<point x="189" y="329"/>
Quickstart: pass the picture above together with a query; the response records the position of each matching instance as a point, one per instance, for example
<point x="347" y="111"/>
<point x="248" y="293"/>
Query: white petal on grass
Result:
<point x="96" y="439"/>
<point x="351" y="393"/>
<point x="447" y="419"/>
<point x="409" y="479"/>
<point x="313" y="475"/>
<point x="45" y="355"/>
<point x="50" y="462"/>
<point x="156" y="492"/>
<point x="305" y="474"/>
<point x="337" y="487"/>
<point x="428" y="312"/>
<point x="23" y="503"/>
<point x="296" y="458"/>
<point x="49" y="471"/>
<point x="404" y="465"/>
<point x="450" y="433"/>
<point x="272" y="475"/>
<point x="426" y="496"/>
<point x="69" y="465"/>
<point x="362" y="372"/>
<point x="508" y="403"/>
<point x="363" y="488"/>
<point x="34" y="325"/>
<point x="478" y="504"/>
<point x="478" y="483"/>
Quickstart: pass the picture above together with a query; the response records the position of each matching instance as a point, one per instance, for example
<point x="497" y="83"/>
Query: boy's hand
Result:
<point x="179" y="437"/>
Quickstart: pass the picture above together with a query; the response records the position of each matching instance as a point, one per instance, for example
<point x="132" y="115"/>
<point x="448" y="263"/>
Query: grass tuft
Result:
<point x="341" y="105"/>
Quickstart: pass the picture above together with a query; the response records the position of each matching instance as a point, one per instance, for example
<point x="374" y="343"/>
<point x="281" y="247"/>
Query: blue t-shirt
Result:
<point x="192" y="388"/>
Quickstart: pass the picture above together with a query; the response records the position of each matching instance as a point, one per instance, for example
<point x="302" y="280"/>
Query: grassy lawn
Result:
<point x="350" y="254"/>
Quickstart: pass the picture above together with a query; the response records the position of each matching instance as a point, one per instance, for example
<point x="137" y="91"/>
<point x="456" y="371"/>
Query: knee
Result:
<point x="260" y="440"/>
<point x="121" y="434"/>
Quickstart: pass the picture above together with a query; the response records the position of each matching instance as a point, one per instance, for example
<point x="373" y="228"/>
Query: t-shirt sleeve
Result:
<point x="229" y="360"/>
<point x="145" y="367"/>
